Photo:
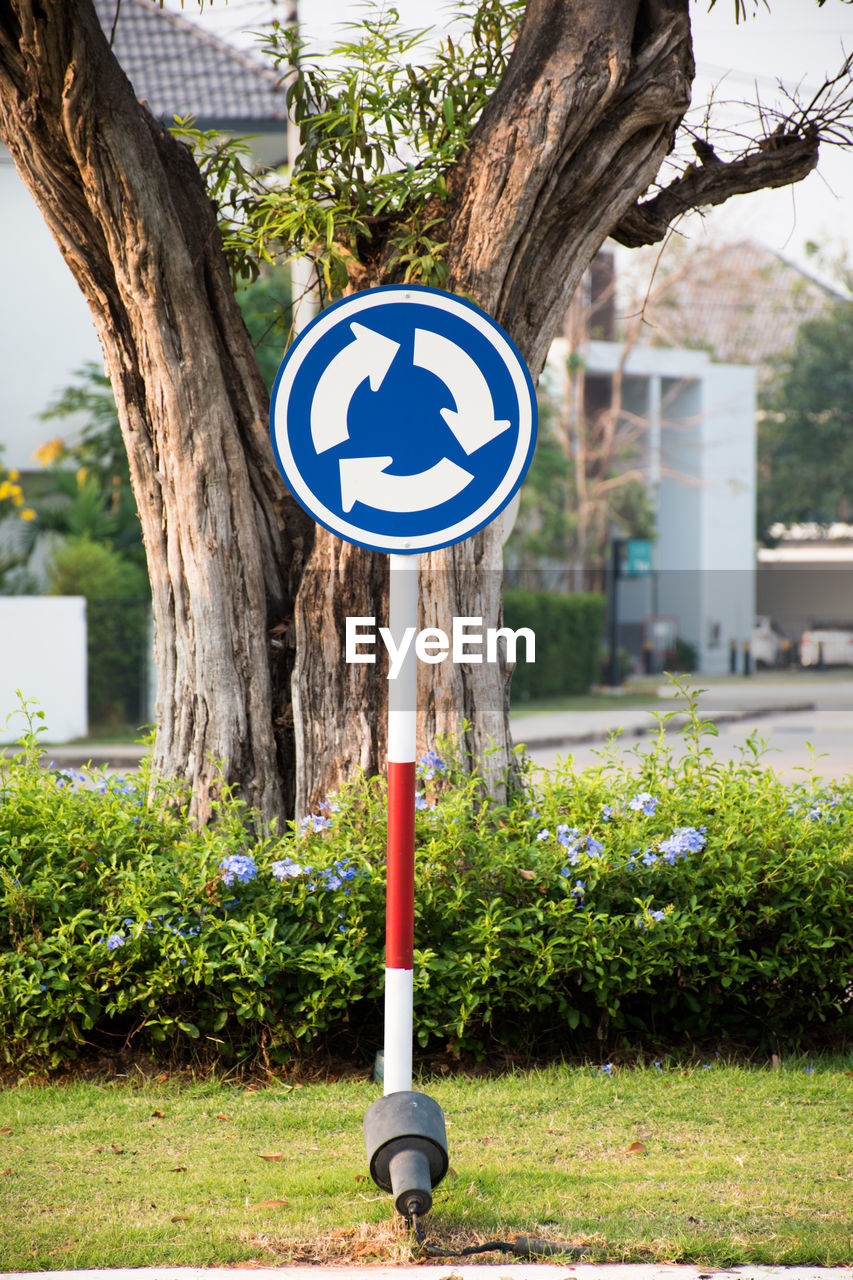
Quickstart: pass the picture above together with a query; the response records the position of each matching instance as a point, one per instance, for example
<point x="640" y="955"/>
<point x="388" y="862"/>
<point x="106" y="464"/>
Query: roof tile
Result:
<point x="181" y="70"/>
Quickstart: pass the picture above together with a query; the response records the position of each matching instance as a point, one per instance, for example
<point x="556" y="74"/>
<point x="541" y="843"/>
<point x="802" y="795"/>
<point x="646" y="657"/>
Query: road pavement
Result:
<point x="788" y="711"/>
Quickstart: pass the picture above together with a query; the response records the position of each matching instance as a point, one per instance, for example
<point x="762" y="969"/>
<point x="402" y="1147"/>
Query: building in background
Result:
<point x="740" y="302"/>
<point x="805" y="582"/>
<point x="651" y="442"/>
<point x="694" y="425"/>
<point x="46" y="331"/>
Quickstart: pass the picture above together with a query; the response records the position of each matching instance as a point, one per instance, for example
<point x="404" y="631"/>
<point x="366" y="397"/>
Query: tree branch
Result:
<point x="777" y="161"/>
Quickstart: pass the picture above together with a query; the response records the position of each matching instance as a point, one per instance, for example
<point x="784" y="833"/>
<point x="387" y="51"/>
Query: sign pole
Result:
<point x="366" y="363"/>
<point x="400" y="893"/>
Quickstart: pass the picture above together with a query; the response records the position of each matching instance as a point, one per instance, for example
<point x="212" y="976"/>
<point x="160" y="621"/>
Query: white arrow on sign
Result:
<point x="369" y="355"/>
<point x="365" y="480"/>
<point x="473" y="420"/>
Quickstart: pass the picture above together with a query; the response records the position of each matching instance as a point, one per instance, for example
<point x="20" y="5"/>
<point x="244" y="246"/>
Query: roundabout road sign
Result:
<point x="403" y="419"/>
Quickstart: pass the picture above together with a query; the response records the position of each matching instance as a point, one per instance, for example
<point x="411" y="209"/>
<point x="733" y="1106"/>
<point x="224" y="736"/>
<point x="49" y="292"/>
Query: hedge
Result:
<point x="568" y="632"/>
<point x="631" y="903"/>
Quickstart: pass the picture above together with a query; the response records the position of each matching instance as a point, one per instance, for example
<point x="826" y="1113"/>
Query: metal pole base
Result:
<point x="406" y="1143"/>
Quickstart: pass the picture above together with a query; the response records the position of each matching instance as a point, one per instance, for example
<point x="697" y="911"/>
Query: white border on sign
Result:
<point x="349" y="310"/>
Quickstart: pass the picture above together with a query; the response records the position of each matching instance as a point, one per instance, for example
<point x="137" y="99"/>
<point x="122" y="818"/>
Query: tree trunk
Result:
<point x="225" y="544"/>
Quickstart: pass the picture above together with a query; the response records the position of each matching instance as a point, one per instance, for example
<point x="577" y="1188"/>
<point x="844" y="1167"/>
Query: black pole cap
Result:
<point x="406" y="1143"/>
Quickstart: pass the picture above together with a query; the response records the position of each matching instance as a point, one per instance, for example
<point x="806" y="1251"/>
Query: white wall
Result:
<point x="728" y="512"/>
<point x="46" y="331"/>
<point x="43" y="653"/>
<point x="700" y="467"/>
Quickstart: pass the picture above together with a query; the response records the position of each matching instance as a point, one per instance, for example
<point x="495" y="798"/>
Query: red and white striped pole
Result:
<point x="400" y="885"/>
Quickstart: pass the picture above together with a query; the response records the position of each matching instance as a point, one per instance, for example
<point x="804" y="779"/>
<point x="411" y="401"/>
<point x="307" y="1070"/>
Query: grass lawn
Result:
<point x="716" y="1166"/>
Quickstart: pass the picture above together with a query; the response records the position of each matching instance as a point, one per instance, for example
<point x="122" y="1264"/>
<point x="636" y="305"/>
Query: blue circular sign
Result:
<point x="403" y="419"/>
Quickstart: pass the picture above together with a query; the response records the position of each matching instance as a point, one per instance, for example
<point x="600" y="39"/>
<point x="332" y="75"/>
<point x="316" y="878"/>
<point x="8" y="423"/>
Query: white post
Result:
<point x="400" y="891"/>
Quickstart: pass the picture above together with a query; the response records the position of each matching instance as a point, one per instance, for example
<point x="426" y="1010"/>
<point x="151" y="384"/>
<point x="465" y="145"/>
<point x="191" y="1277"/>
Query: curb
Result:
<point x="128" y="756"/>
<point x="118" y="756"/>
<point x="673" y="725"/>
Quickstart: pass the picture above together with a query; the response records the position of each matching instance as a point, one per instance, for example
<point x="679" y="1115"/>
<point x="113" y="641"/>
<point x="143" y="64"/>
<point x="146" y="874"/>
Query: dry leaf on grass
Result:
<point x="637" y="1149"/>
<point x="275" y="1155"/>
<point x="269" y="1204"/>
<point x="3" y="1132"/>
<point x="158" y="1115"/>
<point x="220" y="1115"/>
<point x="180" y="1217"/>
<point x="178" y="1168"/>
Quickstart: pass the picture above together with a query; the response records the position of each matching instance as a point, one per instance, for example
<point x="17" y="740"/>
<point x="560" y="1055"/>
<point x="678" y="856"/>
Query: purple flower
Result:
<point x="114" y="941"/>
<point x="609" y="812"/>
<point x="649" y="858"/>
<point x="544" y="834"/>
<point x="644" y="802"/>
<point x="238" y="867"/>
<point x="314" y="822"/>
<point x="431" y="764"/>
<point x="684" y="840"/>
<point x="658" y="915"/>
<point x="287" y="869"/>
<point x="577" y="844"/>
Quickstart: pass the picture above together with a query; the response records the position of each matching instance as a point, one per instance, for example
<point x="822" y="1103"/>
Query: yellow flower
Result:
<point x="49" y="452"/>
<point x="28" y="514"/>
<point x="14" y="475"/>
<point x="6" y="490"/>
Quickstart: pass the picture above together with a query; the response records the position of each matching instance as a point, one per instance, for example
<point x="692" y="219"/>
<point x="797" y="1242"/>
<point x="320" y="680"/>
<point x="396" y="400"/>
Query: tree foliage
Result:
<point x="806" y="434"/>
<point x="85" y="491"/>
<point x="382" y="120"/>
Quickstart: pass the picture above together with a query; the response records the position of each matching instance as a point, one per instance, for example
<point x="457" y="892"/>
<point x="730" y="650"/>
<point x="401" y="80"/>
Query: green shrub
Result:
<point x="684" y="900"/>
<point x="118" y="616"/>
<point x="568" y="633"/>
